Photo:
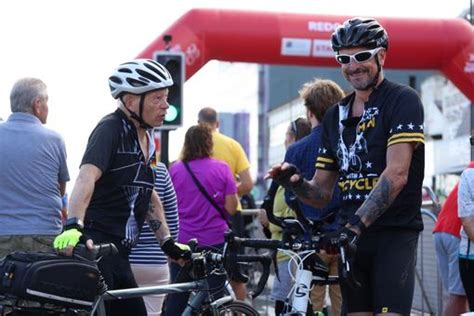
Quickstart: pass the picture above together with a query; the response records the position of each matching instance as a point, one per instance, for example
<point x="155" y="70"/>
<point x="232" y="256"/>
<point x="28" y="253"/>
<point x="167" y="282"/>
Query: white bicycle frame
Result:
<point x="299" y="295"/>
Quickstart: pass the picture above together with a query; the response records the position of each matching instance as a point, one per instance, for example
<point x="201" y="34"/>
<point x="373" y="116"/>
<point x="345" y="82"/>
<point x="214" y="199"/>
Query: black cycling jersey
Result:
<point x="122" y="194"/>
<point x="357" y="148"/>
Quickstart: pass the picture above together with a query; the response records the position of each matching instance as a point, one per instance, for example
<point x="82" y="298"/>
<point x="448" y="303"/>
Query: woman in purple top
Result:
<point x="198" y="217"/>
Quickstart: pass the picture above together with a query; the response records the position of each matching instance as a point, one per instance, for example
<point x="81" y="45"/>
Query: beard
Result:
<point x="364" y="78"/>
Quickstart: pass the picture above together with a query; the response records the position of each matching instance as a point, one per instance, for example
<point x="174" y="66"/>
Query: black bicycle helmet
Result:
<point x="359" y="32"/>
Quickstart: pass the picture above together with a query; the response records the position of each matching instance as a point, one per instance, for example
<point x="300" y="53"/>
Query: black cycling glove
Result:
<point x="283" y="178"/>
<point x="176" y="250"/>
<point x="333" y="240"/>
<point x="319" y="269"/>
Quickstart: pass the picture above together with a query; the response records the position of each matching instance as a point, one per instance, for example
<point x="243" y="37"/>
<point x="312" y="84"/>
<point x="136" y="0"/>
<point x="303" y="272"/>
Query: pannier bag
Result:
<point x="50" y="278"/>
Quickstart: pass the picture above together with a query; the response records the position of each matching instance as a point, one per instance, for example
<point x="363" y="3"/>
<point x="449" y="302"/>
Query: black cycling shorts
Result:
<point x="118" y="274"/>
<point x="466" y="269"/>
<point x="384" y="264"/>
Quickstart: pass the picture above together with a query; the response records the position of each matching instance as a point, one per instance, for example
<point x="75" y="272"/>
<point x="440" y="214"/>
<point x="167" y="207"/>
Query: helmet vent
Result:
<point x="136" y="83"/>
<point x="148" y="75"/>
<point x="159" y="69"/>
<point x="124" y="70"/>
<point x="116" y="79"/>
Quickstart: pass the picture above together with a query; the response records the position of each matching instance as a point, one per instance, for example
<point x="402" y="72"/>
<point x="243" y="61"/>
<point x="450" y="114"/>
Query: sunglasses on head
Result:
<point x="359" y="57"/>
<point x="294" y="127"/>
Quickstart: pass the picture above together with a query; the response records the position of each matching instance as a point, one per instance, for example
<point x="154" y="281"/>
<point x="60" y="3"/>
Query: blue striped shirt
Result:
<point x="147" y="250"/>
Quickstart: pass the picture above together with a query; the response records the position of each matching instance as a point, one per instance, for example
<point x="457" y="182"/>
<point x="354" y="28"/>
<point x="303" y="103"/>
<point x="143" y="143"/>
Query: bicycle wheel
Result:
<point x="236" y="308"/>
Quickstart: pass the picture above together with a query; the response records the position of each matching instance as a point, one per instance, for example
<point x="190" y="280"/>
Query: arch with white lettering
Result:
<point x="303" y="39"/>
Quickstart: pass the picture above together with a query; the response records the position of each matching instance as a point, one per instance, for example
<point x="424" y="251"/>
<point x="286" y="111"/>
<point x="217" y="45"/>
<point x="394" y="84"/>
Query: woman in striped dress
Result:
<point x="149" y="263"/>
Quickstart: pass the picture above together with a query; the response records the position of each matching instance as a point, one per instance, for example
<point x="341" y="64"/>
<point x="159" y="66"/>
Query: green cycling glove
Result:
<point x="69" y="237"/>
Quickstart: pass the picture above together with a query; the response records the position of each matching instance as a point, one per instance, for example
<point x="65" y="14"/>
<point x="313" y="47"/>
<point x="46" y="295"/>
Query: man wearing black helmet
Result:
<point x="114" y="194"/>
<point x="373" y="147"/>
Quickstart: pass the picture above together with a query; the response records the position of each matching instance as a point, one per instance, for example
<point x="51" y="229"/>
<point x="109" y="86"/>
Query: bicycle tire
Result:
<point x="236" y="308"/>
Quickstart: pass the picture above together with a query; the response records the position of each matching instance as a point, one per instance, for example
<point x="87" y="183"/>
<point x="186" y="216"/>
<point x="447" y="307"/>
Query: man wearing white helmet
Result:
<point x="113" y="194"/>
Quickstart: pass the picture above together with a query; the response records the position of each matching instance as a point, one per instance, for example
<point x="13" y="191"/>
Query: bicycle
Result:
<point x="310" y="270"/>
<point x="200" y="304"/>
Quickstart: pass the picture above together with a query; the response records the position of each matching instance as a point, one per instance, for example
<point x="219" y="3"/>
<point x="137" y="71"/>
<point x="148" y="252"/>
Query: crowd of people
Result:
<point x="356" y="160"/>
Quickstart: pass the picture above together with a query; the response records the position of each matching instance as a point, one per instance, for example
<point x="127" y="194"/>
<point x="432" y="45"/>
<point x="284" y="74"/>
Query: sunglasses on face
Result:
<point x="359" y="57"/>
<point x="471" y="139"/>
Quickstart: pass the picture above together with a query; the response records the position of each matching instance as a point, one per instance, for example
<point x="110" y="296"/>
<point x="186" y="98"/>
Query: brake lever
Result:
<point x="230" y="258"/>
<point x="295" y="206"/>
<point x="346" y="267"/>
<point x="346" y="270"/>
<point x="267" y="205"/>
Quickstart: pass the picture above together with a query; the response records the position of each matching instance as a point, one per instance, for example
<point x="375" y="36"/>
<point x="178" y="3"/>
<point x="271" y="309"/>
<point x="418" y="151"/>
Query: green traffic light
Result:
<point x="171" y="114"/>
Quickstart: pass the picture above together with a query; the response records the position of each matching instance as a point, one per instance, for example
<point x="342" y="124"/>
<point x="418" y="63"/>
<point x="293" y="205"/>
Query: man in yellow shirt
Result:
<point x="230" y="151"/>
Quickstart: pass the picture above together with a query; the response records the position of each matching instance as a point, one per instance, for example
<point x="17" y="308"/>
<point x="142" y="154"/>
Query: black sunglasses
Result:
<point x="471" y="139"/>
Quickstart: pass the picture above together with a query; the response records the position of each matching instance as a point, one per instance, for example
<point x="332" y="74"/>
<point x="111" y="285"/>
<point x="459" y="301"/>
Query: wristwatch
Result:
<point x="73" y="222"/>
<point x="356" y="221"/>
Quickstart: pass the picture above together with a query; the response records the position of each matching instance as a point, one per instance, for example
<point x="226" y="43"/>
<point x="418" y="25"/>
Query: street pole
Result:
<point x="164" y="150"/>
<point x="472" y="114"/>
<point x="470" y="13"/>
<point x="165" y="133"/>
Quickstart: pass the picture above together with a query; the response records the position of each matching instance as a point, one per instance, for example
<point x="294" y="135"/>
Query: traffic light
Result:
<point x="174" y="62"/>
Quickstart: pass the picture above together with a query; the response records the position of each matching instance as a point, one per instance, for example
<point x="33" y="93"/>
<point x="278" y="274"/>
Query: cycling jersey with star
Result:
<point x="356" y="148"/>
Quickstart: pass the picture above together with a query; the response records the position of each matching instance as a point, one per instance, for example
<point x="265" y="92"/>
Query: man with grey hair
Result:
<point x="114" y="193"/>
<point x="33" y="172"/>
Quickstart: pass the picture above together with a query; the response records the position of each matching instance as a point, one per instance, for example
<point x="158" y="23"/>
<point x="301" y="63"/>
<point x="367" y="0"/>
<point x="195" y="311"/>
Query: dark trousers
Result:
<point x="466" y="270"/>
<point x="118" y="274"/>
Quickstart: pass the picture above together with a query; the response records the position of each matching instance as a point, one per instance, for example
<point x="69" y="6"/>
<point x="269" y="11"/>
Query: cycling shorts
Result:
<point x="117" y="274"/>
<point x="384" y="264"/>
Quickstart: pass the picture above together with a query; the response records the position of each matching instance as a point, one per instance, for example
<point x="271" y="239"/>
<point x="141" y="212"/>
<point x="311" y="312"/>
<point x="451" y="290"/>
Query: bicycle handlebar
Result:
<point x="345" y="251"/>
<point x="238" y="242"/>
<point x="268" y="207"/>
<point x="98" y="250"/>
<point x="266" y="261"/>
<point x="314" y="226"/>
<point x="232" y="259"/>
<point x="229" y="259"/>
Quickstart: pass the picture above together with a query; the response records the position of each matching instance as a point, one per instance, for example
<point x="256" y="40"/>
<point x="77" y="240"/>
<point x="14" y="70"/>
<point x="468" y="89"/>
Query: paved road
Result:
<point x="263" y="303"/>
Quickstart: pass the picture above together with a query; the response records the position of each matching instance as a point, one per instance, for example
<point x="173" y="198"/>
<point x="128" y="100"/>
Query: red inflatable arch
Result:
<point x="303" y="39"/>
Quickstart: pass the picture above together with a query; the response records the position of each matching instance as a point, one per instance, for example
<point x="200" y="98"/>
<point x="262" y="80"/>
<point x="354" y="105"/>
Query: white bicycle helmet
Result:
<point x="139" y="76"/>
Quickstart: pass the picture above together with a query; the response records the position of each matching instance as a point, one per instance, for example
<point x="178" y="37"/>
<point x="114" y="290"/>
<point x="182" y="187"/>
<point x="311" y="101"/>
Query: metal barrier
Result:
<point x="262" y="303"/>
<point x="428" y="288"/>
